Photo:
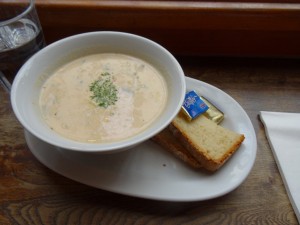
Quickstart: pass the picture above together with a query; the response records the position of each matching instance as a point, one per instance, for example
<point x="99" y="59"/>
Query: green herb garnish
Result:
<point x="104" y="92"/>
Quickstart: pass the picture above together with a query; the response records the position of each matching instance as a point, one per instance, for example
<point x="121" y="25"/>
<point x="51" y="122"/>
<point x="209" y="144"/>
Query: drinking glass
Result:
<point x="20" y="36"/>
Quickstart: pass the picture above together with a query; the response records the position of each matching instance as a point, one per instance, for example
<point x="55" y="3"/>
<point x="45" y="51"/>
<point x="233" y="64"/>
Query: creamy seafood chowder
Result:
<point x="103" y="98"/>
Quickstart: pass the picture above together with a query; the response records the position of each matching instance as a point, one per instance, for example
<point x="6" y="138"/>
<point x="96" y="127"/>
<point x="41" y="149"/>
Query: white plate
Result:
<point x="147" y="171"/>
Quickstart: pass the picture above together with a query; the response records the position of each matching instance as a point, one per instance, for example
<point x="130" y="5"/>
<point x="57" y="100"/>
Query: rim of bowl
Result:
<point x="96" y="147"/>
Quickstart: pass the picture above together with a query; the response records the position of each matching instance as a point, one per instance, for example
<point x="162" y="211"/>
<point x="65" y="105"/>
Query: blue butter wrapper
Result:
<point x="193" y="105"/>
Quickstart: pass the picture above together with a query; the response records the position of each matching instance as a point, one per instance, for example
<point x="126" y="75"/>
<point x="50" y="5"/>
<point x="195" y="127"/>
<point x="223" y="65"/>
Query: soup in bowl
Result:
<point x="98" y="92"/>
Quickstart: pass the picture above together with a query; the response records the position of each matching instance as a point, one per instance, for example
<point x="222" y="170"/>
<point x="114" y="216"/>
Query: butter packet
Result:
<point x="213" y="113"/>
<point x="193" y="105"/>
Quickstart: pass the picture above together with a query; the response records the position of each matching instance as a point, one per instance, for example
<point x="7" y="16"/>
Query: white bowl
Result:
<point x="27" y="84"/>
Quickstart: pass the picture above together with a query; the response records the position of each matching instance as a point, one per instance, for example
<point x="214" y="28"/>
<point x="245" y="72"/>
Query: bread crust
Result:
<point x="166" y="139"/>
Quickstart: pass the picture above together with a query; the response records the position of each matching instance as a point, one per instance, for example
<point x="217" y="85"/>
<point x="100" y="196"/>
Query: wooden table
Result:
<point x="32" y="194"/>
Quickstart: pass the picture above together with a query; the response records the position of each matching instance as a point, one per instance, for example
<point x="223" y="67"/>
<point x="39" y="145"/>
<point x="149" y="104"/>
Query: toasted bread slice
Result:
<point x="211" y="144"/>
<point x="167" y="140"/>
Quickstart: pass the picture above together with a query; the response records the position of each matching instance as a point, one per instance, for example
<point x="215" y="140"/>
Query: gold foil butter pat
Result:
<point x="213" y="113"/>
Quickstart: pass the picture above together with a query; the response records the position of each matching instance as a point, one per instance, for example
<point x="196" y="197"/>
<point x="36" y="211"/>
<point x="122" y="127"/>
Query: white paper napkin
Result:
<point x="283" y="133"/>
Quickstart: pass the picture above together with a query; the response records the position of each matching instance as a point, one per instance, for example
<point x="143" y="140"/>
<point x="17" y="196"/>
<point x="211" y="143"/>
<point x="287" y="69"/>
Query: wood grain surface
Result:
<point x="30" y="193"/>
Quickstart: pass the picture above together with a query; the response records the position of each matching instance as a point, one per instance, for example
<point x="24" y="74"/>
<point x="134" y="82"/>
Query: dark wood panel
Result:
<point x="184" y="27"/>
